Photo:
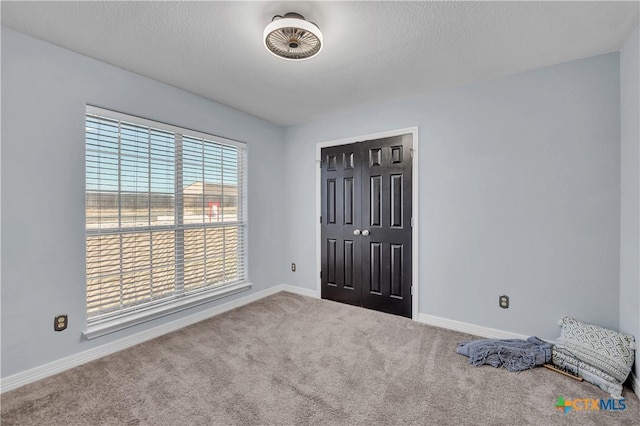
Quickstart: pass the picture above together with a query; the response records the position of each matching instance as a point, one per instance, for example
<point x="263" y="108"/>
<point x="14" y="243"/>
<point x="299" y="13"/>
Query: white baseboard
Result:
<point x="37" y="373"/>
<point x="465" y="327"/>
<point x="46" y="370"/>
<point x="298" y="290"/>
<point x="493" y="333"/>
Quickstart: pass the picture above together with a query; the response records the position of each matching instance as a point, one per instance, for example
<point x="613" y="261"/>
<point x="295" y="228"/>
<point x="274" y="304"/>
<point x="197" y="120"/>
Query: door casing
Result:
<point x="414" y="206"/>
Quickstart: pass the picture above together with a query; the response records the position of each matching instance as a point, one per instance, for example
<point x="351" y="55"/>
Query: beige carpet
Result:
<point x="288" y="359"/>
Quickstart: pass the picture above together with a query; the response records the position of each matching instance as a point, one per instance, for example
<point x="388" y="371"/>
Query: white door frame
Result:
<point x="414" y="206"/>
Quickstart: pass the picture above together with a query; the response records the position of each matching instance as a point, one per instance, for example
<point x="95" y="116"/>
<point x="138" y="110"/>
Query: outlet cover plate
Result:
<point x="60" y="322"/>
<point x="503" y="301"/>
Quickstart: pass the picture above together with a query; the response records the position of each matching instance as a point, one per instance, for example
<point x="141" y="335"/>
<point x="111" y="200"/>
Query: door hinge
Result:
<point x="320" y="219"/>
<point x="411" y="151"/>
<point x="412" y="290"/>
<point x="320" y="274"/>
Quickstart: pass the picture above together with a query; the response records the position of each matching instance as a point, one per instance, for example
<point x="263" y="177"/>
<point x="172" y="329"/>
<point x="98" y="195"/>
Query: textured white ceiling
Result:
<point x="373" y="50"/>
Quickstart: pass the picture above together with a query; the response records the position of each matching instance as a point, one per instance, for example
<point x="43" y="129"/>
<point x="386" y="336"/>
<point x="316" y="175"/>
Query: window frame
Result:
<point x="109" y="322"/>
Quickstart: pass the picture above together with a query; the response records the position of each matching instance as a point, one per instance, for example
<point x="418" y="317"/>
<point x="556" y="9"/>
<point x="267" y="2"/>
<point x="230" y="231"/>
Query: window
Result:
<point x="165" y="219"/>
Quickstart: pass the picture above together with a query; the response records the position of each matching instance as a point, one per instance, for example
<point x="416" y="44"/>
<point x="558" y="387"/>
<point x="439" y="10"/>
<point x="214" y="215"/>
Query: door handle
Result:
<point x="365" y="232"/>
<point x="356" y="232"/>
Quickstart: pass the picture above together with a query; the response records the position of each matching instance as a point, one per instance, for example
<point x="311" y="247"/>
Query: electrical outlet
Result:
<point x="503" y="301"/>
<point x="60" y="322"/>
<point x="293" y="267"/>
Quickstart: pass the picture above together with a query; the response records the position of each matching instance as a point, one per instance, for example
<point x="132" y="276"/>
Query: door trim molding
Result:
<point x="415" y="264"/>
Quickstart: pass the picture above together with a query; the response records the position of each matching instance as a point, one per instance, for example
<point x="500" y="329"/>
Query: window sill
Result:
<point x="120" y="323"/>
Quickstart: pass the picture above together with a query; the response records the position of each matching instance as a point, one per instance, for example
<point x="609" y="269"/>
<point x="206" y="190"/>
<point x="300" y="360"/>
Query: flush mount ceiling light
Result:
<point x="292" y="37"/>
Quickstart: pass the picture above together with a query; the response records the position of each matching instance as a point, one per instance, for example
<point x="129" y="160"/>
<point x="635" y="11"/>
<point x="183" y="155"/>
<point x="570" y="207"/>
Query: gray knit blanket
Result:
<point x="512" y="354"/>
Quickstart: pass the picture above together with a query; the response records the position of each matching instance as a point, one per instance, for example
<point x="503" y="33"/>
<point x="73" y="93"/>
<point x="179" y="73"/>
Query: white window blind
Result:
<point x="165" y="214"/>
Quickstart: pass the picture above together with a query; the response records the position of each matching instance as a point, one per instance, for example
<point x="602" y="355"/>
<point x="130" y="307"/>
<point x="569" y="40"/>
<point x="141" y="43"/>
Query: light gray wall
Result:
<point x="519" y="192"/>
<point x="630" y="189"/>
<point x="44" y="92"/>
<point x="519" y="195"/>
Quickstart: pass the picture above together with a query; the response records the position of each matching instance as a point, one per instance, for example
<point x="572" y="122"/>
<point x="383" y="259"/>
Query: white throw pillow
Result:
<point x="609" y="351"/>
